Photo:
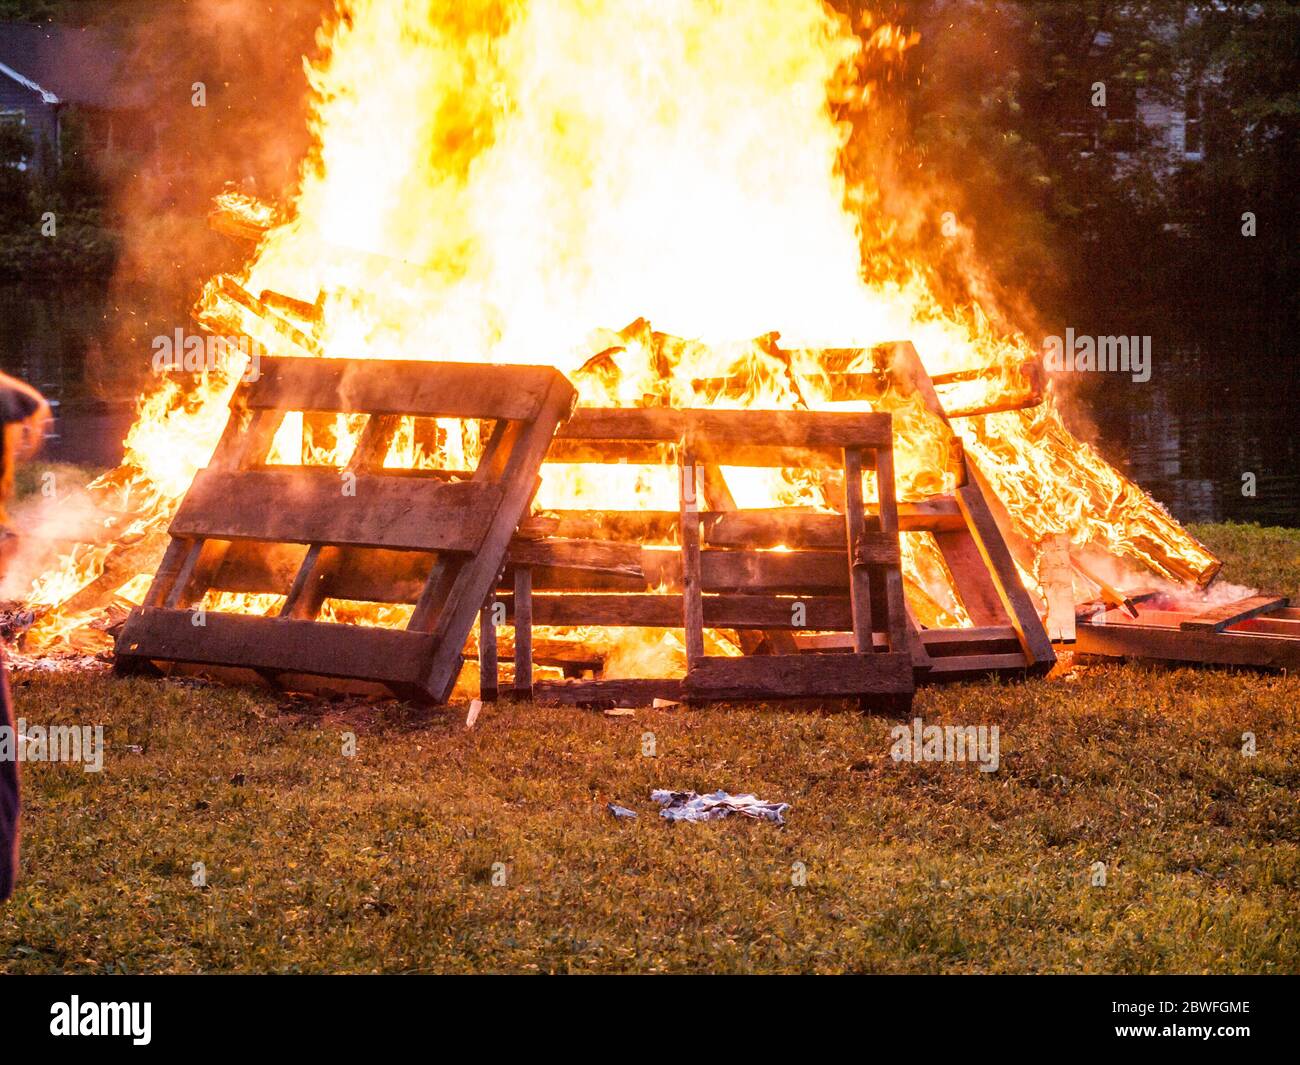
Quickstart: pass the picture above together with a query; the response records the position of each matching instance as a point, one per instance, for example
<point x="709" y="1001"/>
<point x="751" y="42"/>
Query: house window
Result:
<point x="1193" y="136"/>
<point x="16" y="121"/>
<point x="1122" y="122"/>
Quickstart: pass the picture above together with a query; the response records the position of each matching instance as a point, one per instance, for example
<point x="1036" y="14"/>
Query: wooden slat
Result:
<point x="308" y="506"/>
<point x="941" y="642"/>
<point x="488" y="668"/>
<point x="397" y="386"/>
<point x="1171" y="619"/>
<point x="1220" y="617"/>
<point x="523" y="622"/>
<point x="1270" y="625"/>
<point x="938" y="643"/>
<point x="711" y="428"/>
<point x="689" y="559"/>
<point x="599" y="556"/>
<point x="859" y="581"/>
<point x="647" y="610"/>
<point x="633" y="526"/>
<point x="758" y="453"/>
<point x="774" y="528"/>
<point x="168" y="569"/>
<point x="641" y="453"/>
<point x="795" y="572"/>
<point x="658" y="424"/>
<point x="276" y="644"/>
<point x="390" y="576"/>
<point x="611" y="692"/>
<point x="184" y="579"/>
<point x="1057" y="577"/>
<point x="789" y="526"/>
<point x="952" y="667"/>
<point x="608" y="452"/>
<point x="1179" y="645"/>
<point x="891" y="574"/>
<point x="310" y="586"/>
<point x="776" y="572"/>
<point x="796" y="676"/>
<point x="1015" y="600"/>
<point x="971" y="579"/>
<point x="798" y="428"/>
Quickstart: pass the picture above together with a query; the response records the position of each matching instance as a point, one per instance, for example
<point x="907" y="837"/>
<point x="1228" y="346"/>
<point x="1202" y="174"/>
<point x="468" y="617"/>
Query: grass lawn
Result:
<point x="391" y="860"/>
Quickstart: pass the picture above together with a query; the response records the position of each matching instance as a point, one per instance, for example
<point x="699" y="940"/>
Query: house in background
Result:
<point x="50" y="73"/>
<point x="1160" y="130"/>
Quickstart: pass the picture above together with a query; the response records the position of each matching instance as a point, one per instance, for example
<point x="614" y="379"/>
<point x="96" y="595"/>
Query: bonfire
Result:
<point x="652" y="199"/>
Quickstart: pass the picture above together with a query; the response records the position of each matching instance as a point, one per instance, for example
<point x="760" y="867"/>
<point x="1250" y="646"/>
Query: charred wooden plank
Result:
<point x="855" y="528"/>
<point x="714" y="428"/>
<point x="889" y="573"/>
<point x="768" y="527"/>
<point x="488" y="667"/>
<point x="945" y="642"/>
<point x="310" y="312"/>
<point x="646" y="424"/>
<point x="799" y="676"/>
<point x="1132" y="640"/>
<point x="1220" y="617"/>
<point x="648" y="610"/>
<point x="971" y="579"/>
<point x="306" y="506"/>
<point x="596" y="555"/>
<point x="938" y="643"/>
<point x="280" y="327"/>
<point x="523" y="620"/>
<point x="609" y="692"/>
<point x="634" y="526"/>
<point x="123" y="563"/>
<point x="275" y="644"/>
<point x="607" y="452"/>
<point x="798" y="429"/>
<point x="398" y="386"/>
<point x="761" y="454"/>
<point x="689" y="560"/>
<point x="960" y="667"/>
<point x="775" y="572"/>
<point x="997" y="559"/>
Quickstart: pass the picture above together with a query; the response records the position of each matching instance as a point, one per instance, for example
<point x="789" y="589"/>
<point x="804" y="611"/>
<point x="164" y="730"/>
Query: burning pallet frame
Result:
<point x="1007" y="635"/>
<point x="434" y="538"/>
<point x="760" y="573"/>
<point x="793" y="584"/>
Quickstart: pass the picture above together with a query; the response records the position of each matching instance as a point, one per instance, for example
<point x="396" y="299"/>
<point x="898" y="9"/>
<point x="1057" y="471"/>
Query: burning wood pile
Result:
<point x="720" y="517"/>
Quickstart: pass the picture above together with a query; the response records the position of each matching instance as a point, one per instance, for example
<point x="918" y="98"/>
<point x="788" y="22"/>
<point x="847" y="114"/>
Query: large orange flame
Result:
<point x="496" y="180"/>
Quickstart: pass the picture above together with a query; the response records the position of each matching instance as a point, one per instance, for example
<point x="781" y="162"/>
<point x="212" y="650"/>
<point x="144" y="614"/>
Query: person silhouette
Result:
<point x="24" y="415"/>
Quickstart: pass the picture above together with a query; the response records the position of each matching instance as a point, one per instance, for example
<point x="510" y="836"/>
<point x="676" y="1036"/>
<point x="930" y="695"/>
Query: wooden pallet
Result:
<point x="432" y="538"/>
<point x="710" y="565"/>
<point x="1261" y="632"/>
<point x="1008" y="637"/>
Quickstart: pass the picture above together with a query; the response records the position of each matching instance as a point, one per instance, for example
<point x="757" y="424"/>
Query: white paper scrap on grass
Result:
<point x="688" y="806"/>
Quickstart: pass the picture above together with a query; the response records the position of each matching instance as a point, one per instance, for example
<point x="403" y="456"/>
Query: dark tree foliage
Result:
<point x="1078" y="202"/>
